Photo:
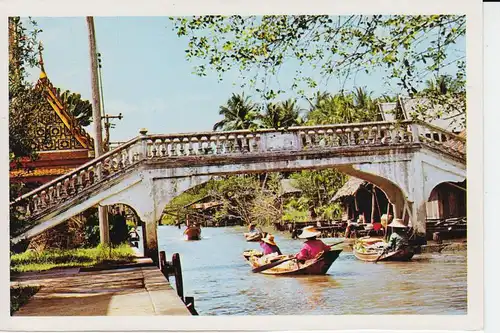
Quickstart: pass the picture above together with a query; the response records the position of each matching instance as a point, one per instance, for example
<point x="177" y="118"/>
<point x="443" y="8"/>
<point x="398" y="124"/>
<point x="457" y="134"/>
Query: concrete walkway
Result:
<point x="139" y="289"/>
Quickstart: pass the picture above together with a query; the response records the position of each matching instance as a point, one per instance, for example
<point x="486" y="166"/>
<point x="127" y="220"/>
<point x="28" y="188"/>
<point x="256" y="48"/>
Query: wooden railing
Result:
<point x="156" y="147"/>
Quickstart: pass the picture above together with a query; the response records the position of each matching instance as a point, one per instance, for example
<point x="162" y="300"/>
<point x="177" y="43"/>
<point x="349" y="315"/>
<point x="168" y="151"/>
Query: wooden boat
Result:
<point x="192" y="233"/>
<point x="365" y="249"/>
<point x="317" y="266"/>
<point x="253" y="236"/>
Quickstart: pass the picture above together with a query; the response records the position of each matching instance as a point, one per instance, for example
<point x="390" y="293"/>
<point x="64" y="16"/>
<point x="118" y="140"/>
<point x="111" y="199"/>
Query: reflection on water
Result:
<point x="221" y="281"/>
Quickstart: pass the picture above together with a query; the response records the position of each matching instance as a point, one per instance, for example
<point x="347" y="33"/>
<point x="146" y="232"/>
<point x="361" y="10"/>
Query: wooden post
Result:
<point x="176" y="262"/>
<point x="372" y="218"/>
<point x="96" y="115"/>
<point x="190" y="305"/>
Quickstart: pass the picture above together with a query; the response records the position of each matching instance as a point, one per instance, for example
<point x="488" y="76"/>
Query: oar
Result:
<point x="380" y="256"/>
<point x="332" y="245"/>
<point x="271" y="265"/>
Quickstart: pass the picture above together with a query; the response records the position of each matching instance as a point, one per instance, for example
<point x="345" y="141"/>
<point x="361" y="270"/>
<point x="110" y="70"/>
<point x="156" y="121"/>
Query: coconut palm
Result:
<point x="442" y="85"/>
<point x="281" y="115"/>
<point x="357" y="106"/>
<point x="318" y="98"/>
<point x="239" y="113"/>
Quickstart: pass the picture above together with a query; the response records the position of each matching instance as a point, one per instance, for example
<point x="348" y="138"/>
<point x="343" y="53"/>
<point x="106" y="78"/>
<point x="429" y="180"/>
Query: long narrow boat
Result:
<point x="317" y="266"/>
<point x="192" y="233"/>
<point x="253" y="236"/>
<point x="366" y="250"/>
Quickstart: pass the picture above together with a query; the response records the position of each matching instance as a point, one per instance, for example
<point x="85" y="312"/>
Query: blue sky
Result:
<point x="146" y="76"/>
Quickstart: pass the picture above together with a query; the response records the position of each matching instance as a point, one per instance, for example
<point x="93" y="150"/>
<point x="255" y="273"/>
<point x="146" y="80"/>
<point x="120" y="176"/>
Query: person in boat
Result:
<point x="133" y="237"/>
<point x="312" y="246"/>
<point x="252" y="230"/>
<point x="351" y="228"/>
<point x="269" y="246"/>
<point x="399" y="236"/>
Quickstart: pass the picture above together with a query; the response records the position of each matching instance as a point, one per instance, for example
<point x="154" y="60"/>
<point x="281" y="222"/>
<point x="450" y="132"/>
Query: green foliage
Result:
<point x="81" y="109"/>
<point x="19" y="295"/>
<point x="281" y="115"/>
<point x="239" y="113"/>
<point x="296" y="210"/>
<point x="177" y="209"/>
<point x="236" y="193"/>
<point x="406" y="47"/>
<point x="118" y="229"/>
<point x="23" y="97"/>
<point x="318" y="187"/>
<point x="446" y="96"/>
<point x="33" y="261"/>
<point x="339" y="108"/>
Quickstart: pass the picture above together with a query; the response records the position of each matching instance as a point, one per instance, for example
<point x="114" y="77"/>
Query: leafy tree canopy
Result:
<point x="23" y="98"/>
<point x="407" y="48"/>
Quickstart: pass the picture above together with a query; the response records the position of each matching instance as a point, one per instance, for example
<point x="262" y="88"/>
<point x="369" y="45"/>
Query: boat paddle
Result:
<point x="332" y="245"/>
<point x="380" y="256"/>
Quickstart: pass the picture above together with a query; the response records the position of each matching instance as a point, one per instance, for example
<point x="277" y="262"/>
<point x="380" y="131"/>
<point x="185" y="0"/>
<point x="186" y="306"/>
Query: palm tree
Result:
<point x="366" y="106"/>
<point x="318" y="98"/>
<point x="281" y="115"/>
<point x="239" y="113"/>
<point x="357" y="106"/>
<point x="442" y="85"/>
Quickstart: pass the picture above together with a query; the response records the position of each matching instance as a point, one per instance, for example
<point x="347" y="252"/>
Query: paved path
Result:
<point x="139" y="290"/>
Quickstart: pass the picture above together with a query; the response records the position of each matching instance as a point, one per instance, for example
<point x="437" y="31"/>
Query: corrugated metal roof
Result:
<point x="450" y="122"/>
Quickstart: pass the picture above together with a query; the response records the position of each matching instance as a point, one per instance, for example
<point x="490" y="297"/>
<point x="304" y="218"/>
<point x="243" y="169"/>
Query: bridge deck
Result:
<point x="140" y="290"/>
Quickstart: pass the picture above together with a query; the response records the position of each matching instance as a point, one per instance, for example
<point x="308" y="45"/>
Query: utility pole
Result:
<point x="96" y="115"/>
<point x="107" y="126"/>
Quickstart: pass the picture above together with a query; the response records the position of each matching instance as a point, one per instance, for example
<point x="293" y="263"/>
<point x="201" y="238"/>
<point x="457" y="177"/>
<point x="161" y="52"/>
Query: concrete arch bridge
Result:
<point x="404" y="159"/>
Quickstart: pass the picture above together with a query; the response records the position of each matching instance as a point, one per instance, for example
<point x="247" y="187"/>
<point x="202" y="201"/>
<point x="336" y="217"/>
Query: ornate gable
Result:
<point x="57" y="129"/>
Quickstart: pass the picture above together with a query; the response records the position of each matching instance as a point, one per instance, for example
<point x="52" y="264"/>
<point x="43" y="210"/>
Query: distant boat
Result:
<point x="192" y="233"/>
<point x="317" y="266"/>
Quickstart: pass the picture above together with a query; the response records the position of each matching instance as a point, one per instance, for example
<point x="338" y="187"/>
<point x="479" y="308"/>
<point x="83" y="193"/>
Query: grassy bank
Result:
<point x="20" y="295"/>
<point x="31" y="261"/>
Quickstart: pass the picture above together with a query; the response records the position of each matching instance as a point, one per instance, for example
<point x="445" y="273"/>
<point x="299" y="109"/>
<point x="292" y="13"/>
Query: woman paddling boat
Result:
<point x="315" y="257"/>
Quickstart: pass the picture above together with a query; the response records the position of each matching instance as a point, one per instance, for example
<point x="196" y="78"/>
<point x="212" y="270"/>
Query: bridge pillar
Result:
<point x="150" y="240"/>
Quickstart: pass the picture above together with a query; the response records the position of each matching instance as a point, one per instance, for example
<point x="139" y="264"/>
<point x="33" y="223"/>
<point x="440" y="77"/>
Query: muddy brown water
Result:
<point x="218" y="277"/>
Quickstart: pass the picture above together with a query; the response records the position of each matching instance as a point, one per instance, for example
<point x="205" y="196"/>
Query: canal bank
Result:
<point x="219" y="278"/>
<point x="137" y="289"/>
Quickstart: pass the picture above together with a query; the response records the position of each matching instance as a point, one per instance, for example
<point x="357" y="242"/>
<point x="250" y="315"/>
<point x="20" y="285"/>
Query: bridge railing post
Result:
<point x="144" y="144"/>
<point x="415" y="132"/>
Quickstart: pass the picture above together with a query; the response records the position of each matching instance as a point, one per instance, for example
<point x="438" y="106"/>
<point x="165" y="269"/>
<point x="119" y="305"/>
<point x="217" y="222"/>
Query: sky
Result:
<point x="146" y="76"/>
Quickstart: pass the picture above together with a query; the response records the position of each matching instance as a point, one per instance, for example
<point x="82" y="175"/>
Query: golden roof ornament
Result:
<point x="43" y="75"/>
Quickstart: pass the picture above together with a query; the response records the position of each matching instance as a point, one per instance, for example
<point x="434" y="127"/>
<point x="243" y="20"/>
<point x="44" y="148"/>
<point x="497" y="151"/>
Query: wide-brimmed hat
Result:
<point x="308" y="232"/>
<point x="269" y="239"/>
<point x="398" y="223"/>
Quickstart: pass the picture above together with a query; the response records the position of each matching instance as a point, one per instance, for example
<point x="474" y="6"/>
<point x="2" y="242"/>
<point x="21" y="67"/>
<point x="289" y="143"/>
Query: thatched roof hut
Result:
<point x="349" y="188"/>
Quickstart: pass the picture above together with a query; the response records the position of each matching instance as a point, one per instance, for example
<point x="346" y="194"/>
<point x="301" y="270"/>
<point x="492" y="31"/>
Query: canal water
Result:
<point x="219" y="278"/>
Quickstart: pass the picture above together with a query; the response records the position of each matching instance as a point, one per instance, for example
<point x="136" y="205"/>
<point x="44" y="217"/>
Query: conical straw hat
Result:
<point x="308" y="232"/>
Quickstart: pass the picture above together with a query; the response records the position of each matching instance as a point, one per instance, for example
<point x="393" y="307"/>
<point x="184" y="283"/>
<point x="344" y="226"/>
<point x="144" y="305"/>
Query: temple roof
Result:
<point x="71" y="125"/>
